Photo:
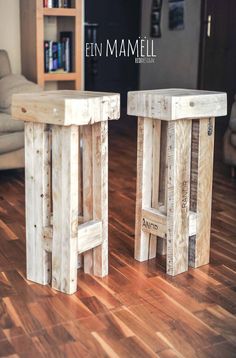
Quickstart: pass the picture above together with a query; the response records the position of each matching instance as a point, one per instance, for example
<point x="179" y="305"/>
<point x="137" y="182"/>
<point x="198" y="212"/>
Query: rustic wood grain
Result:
<point x="65" y="208"/>
<point x="38" y="208"/>
<point x="178" y="184"/>
<point x="176" y="103"/>
<point x="144" y="186"/>
<point x="66" y="107"/>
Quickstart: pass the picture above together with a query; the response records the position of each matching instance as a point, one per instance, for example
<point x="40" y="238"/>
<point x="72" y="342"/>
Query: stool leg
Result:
<point x="144" y="186"/>
<point x="37" y="172"/>
<point x="65" y="208"/>
<point x="156" y="142"/>
<point x="88" y="189"/>
<point x="100" y="194"/>
<point x="161" y="243"/>
<point x="179" y="156"/>
<point x="200" y="244"/>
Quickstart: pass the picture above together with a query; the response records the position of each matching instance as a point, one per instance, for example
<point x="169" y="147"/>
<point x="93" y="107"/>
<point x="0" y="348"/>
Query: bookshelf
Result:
<point x="38" y="24"/>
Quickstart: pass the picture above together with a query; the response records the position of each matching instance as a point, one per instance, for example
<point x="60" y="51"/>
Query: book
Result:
<point x="55" y="56"/>
<point x="50" y="56"/>
<point x="50" y="3"/>
<point x="58" y="54"/>
<point x="67" y="4"/>
<point x="59" y="57"/>
<point x="46" y="56"/>
<point x="66" y="38"/>
<point x="55" y="3"/>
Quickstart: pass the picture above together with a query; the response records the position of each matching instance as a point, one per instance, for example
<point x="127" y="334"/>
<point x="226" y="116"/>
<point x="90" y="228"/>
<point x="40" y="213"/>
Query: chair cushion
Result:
<point x="5" y="67"/>
<point x="7" y="124"/>
<point x="233" y="139"/>
<point x="11" y="141"/>
<point x="12" y="84"/>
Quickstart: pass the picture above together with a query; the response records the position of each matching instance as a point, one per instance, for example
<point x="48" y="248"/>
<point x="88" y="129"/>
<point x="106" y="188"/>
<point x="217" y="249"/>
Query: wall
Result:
<point x="10" y="31"/>
<point x="177" y="51"/>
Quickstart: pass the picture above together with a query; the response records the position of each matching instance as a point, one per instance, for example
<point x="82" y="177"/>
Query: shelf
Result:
<point x="59" y="12"/>
<point x="70" y="76"/>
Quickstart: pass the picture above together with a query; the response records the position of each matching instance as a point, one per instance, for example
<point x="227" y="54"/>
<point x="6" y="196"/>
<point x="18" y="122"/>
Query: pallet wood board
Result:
<point x="65" y="208"/>
<point x="66" y="107"/>
<point x="38" y="208"/>
<point x="176" y="103"/>
<point x="179" y="142"/>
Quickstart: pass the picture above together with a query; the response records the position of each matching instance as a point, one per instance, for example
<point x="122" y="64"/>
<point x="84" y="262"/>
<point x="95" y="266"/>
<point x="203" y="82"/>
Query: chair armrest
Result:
<point x="5" y="66"/>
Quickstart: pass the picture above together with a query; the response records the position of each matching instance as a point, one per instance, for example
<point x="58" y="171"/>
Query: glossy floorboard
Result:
<point x="137" y="311"/>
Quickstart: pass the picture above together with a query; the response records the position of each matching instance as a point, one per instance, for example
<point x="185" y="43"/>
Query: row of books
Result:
<point x="58" y="54"/>
<point x="57" y="3"/>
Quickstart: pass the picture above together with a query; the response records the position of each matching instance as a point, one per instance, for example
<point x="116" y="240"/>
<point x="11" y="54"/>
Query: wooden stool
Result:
<point x="66" y="172"/>
<point x="174" y="174"/>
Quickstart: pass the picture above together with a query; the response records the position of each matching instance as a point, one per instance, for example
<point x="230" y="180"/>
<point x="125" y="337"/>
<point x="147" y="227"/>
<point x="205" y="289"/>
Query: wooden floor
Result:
<point x="137" y="311"/>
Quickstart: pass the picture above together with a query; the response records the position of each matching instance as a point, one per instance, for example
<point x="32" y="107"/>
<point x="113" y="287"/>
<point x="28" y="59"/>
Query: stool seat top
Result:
<point x="176" y="103"/>
<point x="66" y="107"/>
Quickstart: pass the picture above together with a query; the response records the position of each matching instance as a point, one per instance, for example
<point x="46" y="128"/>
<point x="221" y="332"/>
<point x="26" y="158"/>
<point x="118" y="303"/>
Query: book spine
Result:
<point x="60" y="3"/>
<point x="55" y="3"/>
<point x="46" y="56"/>
<point x="50" y="3"/>
<point x="59" y="55"/>
<point x="63" y="58"/>
<point x="50" y="57"/>
<point x="55" y="56"/>
<point x="67" y="55"/>
<point x="67" y="3"/>
<point x="45" y="3"/>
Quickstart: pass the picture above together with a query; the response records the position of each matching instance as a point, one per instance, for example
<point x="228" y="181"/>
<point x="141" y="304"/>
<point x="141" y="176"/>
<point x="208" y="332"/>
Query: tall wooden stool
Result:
<point x="174" y="174"/>
<point x="66" y="172"/>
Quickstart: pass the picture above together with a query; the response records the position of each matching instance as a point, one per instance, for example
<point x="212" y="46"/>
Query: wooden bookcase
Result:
<point x="34" y="21"/>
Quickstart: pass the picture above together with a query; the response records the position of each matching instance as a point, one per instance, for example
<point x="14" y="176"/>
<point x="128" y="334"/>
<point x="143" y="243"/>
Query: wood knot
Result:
<point x="192" y="104"/>
<point x="23" y="110"/>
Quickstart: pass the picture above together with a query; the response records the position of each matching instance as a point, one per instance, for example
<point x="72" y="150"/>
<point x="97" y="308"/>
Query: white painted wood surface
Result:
<point x="66" y="107"/>
<point x="37" y="169"/>
<point x="65" y="208"/>
<point x="176" y="103"/>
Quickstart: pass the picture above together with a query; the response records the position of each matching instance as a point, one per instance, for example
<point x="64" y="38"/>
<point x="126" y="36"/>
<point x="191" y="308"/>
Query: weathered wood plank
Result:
<point x="156" y="142"/>
<point x="66" y="107"/>
<point x="179" y="155"/>
<point x="65" y="208"/>
<point x="144" y="186"/>
<point x="87" y="164"/>
<point x="37" y="191"/>
<point x="176" y="103"/>
<point x="154" y="222"/>
<point x="100" y="194"/>
<point x="89" y="235"/>
<point x="200" y="244"/>
<point x="161" y="244"/>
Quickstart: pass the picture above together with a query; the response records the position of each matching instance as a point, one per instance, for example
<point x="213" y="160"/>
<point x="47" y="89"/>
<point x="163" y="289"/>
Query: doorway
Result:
<point x="112" y="20"/>
<point x="217" y="67"/>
